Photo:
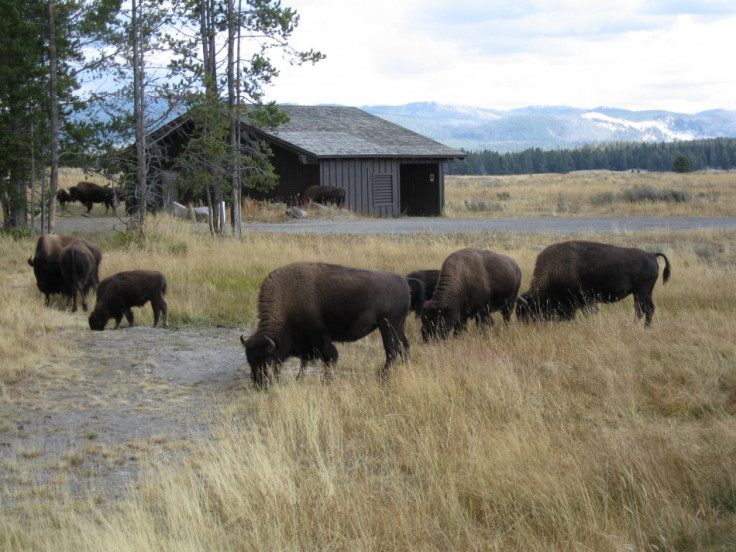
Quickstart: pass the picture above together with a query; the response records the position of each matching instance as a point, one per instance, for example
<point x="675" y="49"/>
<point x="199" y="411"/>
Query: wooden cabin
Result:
<point x="386" y="170"/>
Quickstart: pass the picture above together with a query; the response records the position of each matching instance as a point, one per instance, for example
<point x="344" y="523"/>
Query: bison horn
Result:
<point x="271" y="344"/>
<point x="242" y="340"/>
<point x="30" y="261"/>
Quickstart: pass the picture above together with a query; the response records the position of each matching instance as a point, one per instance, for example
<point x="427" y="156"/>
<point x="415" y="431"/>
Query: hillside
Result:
<point x="549" y="127"/>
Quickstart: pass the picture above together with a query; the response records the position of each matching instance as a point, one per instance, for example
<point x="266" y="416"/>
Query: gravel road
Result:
<point x="440" y="225"/>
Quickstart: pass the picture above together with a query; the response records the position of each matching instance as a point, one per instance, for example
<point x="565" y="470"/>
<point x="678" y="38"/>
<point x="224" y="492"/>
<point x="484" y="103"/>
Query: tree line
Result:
<point x="84" y="82"/>
<point x="712" y="153"/>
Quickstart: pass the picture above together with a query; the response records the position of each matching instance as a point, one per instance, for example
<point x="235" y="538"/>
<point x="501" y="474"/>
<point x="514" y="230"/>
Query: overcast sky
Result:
<point x="677" y="55"/>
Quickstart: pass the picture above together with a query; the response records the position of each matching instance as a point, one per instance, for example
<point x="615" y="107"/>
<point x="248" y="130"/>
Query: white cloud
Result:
<point x="634" y="54"/>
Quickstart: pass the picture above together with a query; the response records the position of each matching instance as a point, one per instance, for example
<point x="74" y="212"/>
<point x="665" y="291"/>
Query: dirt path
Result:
<point x="131" y="392"/>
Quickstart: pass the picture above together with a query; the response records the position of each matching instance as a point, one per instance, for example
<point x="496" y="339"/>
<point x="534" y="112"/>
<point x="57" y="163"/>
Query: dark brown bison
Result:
<point x="78" y="271"/>
<point x="472" y="284"/>
<point x="63" y="197"/>
<point x="325" y="195"/>
<point x="117" y="294"/>
<point x="579" y="274"/>
<point x="427" y="281"/>
<point x="88" y="193"/>
<point x="304" y="307"/>
<point x="46" y="263"/>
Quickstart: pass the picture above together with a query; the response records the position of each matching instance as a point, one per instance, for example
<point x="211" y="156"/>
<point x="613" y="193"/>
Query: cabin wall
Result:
<point x="371" y="185"/>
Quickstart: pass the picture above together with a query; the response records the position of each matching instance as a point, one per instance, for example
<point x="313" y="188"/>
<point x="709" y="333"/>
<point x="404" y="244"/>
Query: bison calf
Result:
<point x="423" y="289"/>
<point x="134" y="288"/>
<point x="576" y="275"/>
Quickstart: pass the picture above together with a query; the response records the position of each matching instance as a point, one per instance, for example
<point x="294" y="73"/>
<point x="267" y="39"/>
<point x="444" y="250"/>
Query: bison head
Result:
<point x="260" y="351"/>
<point x="436" y="321"/>
<point x="97" y="321"/>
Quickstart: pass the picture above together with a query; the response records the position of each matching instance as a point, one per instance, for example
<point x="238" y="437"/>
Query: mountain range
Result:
<point x="551" y="127"/>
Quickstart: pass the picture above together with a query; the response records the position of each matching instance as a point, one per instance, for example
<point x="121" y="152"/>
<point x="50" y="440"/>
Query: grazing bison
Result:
<point x="116" y="295"/>
<point x="88" y="193"/>
<point x="304" y="307"/>
<point x="427" y="281"/>
<point x="46" y="263"/>
<point x="78" y="270"/>
<point x="579" y="274"/>
<point x="325" y="195"/>
<point x="63" y="197"/>
<point x="472" y="283"/>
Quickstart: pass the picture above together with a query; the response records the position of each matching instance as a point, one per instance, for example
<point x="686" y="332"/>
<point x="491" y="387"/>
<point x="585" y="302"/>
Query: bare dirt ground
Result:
<point x="130" y="393"/>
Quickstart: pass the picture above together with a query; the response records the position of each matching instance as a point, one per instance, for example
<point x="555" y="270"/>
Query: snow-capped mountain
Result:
<point x="475" y="128"/>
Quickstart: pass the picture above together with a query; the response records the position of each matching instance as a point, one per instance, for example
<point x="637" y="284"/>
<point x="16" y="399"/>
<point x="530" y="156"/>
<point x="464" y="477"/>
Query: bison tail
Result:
<point x="666" y="273"/>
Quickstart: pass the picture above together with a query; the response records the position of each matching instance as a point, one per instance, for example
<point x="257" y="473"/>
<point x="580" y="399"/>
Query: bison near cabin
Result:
<point x="304" y="307"/>
<point x="324" y="195"/>
<point x="46" y="263"/>
<point x="472" y="283"/>
<point x="88" y="193"/>
<point x="117" y="294"/>
<point x="576" y="275"/>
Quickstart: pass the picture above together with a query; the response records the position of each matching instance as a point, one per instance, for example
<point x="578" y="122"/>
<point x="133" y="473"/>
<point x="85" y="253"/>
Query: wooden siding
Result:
<point x="356" y="177"/>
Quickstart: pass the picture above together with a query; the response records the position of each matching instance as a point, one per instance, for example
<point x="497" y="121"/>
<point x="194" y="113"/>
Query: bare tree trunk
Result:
<point x="138" y="114"/>
<point x="233" y="112"/>
<point x="54" y="122"/>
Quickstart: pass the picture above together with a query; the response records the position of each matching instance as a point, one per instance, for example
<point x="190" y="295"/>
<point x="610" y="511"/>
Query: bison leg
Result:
<point x="302" y="368"/>
<point x="329" y="356"/>
<point x="129" y="316"/>
<point x="89" y="207"/>
<point x="395" y="343"/>
<point x="644" y="306"/>
<point x="160" y="307"/>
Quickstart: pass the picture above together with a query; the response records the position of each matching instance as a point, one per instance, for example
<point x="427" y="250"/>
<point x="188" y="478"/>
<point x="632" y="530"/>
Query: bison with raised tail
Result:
<point x="88" y="193"/>
<point x="472" y="284"/>
<point x="579" y="274"/>
<point x="117" y="294"/>
<point x="304" y="307"/>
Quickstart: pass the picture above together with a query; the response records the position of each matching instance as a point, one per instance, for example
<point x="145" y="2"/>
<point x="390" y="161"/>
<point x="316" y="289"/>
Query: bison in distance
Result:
<point x="579" y="274"/>
<point x="324" y="195"/>
<point x="88" y="193"/>
<point x="304" y="307"/>
<point x="472" y="284"/>
<point x="117" y="294"/>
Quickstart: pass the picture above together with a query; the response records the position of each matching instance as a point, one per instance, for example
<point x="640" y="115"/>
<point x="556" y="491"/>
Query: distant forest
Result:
<point x="713" y="153"/>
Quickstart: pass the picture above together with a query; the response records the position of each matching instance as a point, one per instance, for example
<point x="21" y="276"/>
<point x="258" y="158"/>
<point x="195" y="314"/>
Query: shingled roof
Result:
<point x="336" y="131"/>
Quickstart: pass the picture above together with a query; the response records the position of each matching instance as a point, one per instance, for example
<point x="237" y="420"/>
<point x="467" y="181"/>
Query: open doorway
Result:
<point x="421" y="190"/>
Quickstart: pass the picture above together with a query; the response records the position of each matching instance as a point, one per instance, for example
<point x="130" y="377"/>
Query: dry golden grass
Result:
<point x="591" y="435"/>
<point x="713" y="194"/>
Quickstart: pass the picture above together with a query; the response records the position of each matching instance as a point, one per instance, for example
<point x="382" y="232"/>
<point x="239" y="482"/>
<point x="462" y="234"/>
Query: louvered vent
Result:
<point x="383" y="189"/>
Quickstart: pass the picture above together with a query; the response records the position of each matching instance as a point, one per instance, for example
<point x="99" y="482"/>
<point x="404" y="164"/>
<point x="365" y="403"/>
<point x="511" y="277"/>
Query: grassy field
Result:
<point x="593" y="193"/>
<point x="591" y="435"/>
